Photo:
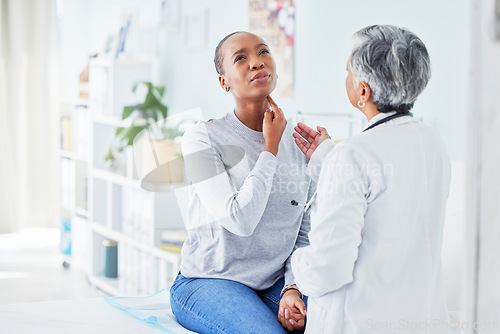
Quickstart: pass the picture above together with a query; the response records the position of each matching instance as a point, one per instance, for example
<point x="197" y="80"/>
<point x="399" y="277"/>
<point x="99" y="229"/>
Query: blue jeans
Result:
<point x="210" y="305"/>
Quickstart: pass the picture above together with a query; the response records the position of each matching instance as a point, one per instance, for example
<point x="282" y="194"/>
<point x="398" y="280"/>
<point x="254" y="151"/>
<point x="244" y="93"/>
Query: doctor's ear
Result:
<point x="365" y="90"/>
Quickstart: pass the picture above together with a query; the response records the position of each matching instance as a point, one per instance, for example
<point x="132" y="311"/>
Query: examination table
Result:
<point x="83" y="316"/>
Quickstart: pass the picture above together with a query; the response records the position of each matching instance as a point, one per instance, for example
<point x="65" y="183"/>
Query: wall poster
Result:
<point x="274" y="21"/>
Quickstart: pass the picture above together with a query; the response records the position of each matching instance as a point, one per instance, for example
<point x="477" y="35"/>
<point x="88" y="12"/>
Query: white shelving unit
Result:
<point x="73" y="164"/>
<point x="116" y="207"/>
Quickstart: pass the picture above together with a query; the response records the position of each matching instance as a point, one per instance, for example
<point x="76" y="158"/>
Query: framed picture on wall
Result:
<point x="196" y="29"/>
<point x="170" y="15"/>
<point x="274" y="20"/>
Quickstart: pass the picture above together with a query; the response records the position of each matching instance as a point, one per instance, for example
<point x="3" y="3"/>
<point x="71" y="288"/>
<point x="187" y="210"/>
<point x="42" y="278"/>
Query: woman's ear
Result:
<point x="366" y="92"/>
<point x="222" y="82"/>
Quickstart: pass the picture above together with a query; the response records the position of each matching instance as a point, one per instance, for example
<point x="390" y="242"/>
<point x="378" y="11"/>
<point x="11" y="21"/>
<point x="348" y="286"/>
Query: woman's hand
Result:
<point x="308" y="139"/>
<point x="292" y="314"/>
<point x="273" y="127"/>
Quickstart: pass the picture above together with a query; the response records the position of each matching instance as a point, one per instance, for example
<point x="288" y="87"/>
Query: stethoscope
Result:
<point x="382" y="121"/>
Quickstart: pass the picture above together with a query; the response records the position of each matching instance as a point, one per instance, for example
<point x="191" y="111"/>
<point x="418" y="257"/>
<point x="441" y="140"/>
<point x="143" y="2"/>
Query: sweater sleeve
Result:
<point x="302" y="237"/>
<point x="237" y="210"/>
<point x="327" y="263"/>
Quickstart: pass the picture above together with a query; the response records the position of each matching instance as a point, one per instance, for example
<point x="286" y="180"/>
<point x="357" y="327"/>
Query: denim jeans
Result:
<point x="210" y="305"/>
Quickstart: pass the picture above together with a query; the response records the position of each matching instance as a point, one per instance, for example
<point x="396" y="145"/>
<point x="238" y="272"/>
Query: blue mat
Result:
<point x="154" y="310"/>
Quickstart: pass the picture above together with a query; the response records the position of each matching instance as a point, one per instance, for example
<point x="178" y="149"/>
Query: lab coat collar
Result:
<point x="381" y="116"/>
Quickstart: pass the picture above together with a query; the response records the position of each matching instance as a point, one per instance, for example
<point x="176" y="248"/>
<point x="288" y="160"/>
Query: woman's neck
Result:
<point x="251" y="113"/>
<point x="370" y="110"/>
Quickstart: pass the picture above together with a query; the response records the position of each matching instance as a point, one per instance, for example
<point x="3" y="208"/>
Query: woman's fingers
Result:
<point x="323" y="132"/>
<point x="285" y="322"/>
<point x="268" y="116"/>
<point x="307" y="129"/>
<point x="301" y="307"/>
<point x="308" y="133"/>
<point x="273" y="104"/>
<point x="303" y="135"/>
<point x="292" y="317"/>
<point x="302" y="144"/>
<point x="277" y="111"/>
<point x="300" y="139"/>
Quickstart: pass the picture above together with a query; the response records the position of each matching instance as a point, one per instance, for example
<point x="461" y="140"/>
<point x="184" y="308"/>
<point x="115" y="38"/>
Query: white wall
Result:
<point x="74" y="41"/>
<point x="323" y="41"/>
<point x="481" y="295"/>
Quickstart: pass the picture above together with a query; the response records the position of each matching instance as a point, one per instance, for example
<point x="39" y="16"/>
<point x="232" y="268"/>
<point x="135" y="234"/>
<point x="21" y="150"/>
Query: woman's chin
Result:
<point x="261" y="94"/>
<point x="268" y="90"/>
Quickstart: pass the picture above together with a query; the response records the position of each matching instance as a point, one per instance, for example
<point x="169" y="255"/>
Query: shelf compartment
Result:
<point x="81" y="185"/>
<point x="109" y="286"/>
<point x="100" y="201"/>
<point x="116" y="207"/>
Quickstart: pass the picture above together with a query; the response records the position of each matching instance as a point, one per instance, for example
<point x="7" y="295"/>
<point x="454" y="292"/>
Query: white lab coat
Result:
<point x="374" y="260"/>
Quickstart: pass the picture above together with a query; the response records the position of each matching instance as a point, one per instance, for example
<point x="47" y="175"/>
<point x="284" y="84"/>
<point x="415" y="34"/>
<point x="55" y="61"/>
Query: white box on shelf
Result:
<point x="111" y="83"/>
<point x="81" y="130"/>
<point x="67" y="179"/>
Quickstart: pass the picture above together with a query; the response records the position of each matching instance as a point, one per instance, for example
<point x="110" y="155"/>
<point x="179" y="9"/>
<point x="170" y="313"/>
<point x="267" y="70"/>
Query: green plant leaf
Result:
<point x="164" y="110"/>
<point x="134" y="87"/>
<point x="127" y="111"/>
<point x="151" y="100"/>
<point x="142" y="116"/>
<point x="160" y="90"/>
<point x="119" y="131"/>
<point x="130" y="134"/>
<point x="109" y="155"/>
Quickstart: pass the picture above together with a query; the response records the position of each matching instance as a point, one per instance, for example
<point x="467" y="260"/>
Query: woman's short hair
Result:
<point x="394" y="62"/>
<point x="218" y="56"/>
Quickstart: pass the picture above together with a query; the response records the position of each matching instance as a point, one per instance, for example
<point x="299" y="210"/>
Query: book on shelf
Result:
<point x="66" y="133"/>
<point x="172" y="240"/>
<point x="67" y="179"/>
<point x="138" y="215"/>
<point x="80" y="243"/>
<point x="99" y="90"/>
<point x="66" y="240"/>
<point x="171" y="248"/>
<point x="81" y="132"/>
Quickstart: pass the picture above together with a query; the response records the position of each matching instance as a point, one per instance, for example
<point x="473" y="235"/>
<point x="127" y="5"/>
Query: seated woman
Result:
<point x="244" y="169"/>
<point x="374" y="260"/>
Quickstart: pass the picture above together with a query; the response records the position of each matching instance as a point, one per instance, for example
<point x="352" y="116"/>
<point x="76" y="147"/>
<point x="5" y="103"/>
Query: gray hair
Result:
<point x="395" y="64"/>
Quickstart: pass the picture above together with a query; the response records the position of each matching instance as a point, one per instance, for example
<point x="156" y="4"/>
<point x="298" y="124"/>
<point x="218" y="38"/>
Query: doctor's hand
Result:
<point x="292" y="313"/>
<point x="308" y="139"/>
<point x="273" y="126"/>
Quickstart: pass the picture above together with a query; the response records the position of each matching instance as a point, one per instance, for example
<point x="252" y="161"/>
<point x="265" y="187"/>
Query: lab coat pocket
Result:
<point x="316" y="317"/>
<point x="325" y="314"/>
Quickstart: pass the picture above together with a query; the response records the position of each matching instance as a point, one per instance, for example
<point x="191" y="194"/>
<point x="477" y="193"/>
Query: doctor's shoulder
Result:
<point x="346" y="152"/>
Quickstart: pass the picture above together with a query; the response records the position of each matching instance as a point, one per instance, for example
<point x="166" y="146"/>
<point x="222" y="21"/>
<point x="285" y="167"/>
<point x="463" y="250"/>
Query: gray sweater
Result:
<point x="241" y="225"/>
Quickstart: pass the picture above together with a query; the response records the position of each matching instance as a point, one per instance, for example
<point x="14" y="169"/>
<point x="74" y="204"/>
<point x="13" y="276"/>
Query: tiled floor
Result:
<point x="31" y="269"/>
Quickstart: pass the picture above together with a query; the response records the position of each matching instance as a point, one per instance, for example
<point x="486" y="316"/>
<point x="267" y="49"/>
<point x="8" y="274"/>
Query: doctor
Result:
<point x="374" y="260"/>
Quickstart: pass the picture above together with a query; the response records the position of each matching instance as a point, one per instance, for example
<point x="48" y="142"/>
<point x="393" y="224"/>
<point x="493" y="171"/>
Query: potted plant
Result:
<point x="148" y="131"/>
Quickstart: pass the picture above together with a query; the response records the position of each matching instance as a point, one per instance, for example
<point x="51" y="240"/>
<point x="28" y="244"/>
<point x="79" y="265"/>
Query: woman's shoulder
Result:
<point x="203" y="128"/>
<point x="205" y="134"/>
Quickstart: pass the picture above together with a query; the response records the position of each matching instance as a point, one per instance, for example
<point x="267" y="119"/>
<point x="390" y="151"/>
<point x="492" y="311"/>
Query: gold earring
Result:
<point x="227" y="89"/>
